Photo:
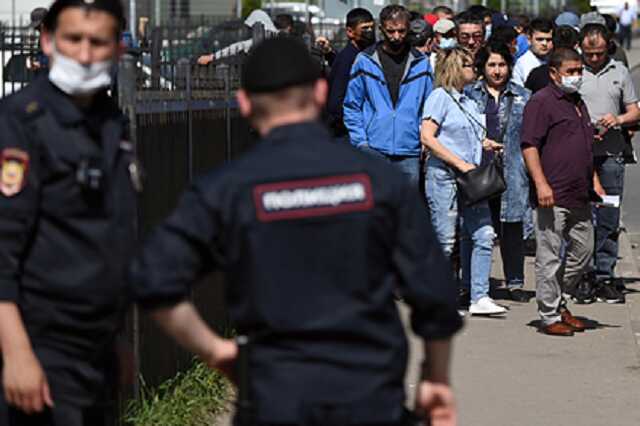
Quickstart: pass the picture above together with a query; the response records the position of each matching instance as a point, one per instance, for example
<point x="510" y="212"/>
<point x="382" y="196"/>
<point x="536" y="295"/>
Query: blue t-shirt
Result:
<point x="460" y="132"/>
<point x="523" y="45"/>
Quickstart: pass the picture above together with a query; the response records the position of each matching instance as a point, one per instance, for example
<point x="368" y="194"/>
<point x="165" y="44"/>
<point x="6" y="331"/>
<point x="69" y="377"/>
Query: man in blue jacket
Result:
<point x="389" y="84"/>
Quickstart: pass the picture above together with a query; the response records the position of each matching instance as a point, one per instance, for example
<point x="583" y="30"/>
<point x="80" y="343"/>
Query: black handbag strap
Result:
<point x="470" y="118"/>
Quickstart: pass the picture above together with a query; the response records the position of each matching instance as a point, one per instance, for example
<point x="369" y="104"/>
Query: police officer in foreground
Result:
<point x="67" y="192"/>
<point x="306" y="231"/>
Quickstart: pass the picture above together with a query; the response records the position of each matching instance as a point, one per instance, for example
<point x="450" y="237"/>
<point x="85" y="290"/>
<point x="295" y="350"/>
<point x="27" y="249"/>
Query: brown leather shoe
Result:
<point x="558" y="329"/>
<point x="572" y="321"/>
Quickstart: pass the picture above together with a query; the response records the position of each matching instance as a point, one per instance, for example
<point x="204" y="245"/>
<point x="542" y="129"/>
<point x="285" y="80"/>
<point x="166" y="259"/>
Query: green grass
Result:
<point x="193" y="398"/>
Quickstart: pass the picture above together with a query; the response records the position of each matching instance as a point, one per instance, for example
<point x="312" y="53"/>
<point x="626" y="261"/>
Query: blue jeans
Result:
<point x="410" y="166"/>
<point x="476" y="231"/>
<point x="611" y="173"/>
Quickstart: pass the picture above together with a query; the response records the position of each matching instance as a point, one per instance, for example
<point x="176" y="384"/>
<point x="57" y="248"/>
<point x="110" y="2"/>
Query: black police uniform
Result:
<point x="67" y="215"/>
<point x="306" y="231"/>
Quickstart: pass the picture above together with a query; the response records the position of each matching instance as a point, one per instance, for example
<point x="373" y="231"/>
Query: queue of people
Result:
<point x="483" y="96"/>
<point x="322" y="340"/>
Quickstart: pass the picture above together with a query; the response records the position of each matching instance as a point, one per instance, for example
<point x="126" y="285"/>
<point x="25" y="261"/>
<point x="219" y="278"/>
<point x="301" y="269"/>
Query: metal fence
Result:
<point x="20" y="58"/>
<point x="184" y="120"/>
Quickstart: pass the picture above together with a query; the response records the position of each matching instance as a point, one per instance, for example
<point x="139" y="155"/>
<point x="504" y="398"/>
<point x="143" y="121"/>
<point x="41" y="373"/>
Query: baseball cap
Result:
<point x="592" y="18"/>
<point x="37" y="16"/>
<point x="443" y="26"/>
<point x="113" y="7"/>
<point x="567" y="18"/>
<point x="278" y="63"/>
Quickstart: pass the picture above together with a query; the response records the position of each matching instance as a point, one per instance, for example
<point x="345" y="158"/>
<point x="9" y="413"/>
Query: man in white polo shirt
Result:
<point x="540" y="40"/>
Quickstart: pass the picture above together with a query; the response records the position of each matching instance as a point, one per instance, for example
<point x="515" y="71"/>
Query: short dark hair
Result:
<point x="394" y="12"/>
<point x="442" y="9"/>
<point x="358" y="16"/>
<point x="480" y="10"/>
<point x="610" y="22"/>
<point x="283" y="20"/>
<point x="540" y="25"/>
<point x="523" y="21"/>
<point x="565" y="36"/>
<point x="467" y="17"/>
<point x="482" y="57"/>
<point x="563" y="54"/>
<point x="591" y="31"/>
<point x="113" y="7"/>
<point x="503" y="34"/>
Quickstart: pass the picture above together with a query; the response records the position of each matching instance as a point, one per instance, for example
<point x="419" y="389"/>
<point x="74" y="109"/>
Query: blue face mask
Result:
<point x="448" y="43"/>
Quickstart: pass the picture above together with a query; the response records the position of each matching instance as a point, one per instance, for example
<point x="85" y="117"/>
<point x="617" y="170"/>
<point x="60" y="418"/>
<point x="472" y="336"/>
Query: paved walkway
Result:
<point x="505" y="373"/>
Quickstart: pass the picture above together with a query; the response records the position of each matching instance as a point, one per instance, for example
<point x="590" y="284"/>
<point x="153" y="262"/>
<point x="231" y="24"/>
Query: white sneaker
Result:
<point x="486" y="306"/>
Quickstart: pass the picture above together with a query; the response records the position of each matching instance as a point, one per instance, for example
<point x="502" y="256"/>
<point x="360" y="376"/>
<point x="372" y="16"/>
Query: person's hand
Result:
<point x="491" y="145"/>
<point x="205" y="59"/>
<point x="435" y="402"/>
<point x="324" y="44"/>
<point x="609" y="121"/>
<point x="597" y="187"/>
<point x="25" y="384"/>
<point x="464" y="167"/>
<point x="545" y="195"/>
<point x="223" y="356"/>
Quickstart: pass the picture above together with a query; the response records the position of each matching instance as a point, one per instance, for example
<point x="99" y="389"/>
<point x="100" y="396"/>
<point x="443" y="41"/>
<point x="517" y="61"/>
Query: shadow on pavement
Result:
<point x="590" y="323"/>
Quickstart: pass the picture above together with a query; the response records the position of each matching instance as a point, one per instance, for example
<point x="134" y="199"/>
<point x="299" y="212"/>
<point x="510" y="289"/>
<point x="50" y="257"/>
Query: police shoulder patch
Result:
<point x="14" y="165"/>
<point x="304" y="198"/>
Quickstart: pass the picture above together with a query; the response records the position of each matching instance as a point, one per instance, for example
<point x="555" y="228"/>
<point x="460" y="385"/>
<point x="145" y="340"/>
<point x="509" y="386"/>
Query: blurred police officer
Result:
<point x="67" y="197"/>
<point x="306" y="231"/>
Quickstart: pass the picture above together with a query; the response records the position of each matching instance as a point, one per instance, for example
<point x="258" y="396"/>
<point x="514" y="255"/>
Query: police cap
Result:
<point x="277" y="64"/>
<point x="113" y="7"/>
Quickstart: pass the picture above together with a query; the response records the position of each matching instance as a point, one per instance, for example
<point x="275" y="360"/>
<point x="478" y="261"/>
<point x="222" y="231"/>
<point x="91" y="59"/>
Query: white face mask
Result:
<point x="571" y="84"/>
<point x="76" y="79"/>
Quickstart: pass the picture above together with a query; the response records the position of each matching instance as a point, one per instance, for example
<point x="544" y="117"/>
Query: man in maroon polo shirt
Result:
<point x="557" y="139"/>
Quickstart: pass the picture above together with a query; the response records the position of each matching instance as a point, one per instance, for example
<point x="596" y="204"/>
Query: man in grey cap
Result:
<point x="610" y="96"/>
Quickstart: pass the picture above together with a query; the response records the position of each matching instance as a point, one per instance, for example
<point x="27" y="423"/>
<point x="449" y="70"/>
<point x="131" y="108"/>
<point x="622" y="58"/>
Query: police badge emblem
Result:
<point x="14" y="165"/>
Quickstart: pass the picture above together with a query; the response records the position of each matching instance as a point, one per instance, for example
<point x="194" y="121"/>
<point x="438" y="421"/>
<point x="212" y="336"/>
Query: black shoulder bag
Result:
<point x="485" y="181"/>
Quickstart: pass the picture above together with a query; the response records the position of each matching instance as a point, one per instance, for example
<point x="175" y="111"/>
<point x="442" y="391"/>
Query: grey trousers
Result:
<point x="553" y="275"/>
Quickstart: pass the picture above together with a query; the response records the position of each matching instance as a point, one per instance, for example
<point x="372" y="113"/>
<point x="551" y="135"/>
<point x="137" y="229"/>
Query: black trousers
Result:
<point x="511" y="246"/>
<point x="63" y="414"/>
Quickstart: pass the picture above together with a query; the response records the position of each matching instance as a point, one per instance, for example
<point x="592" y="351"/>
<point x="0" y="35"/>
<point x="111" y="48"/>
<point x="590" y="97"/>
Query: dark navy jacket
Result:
<point x="338" y="82"/>
<point x="64" y="247"/>
<point x="308" y="232"/>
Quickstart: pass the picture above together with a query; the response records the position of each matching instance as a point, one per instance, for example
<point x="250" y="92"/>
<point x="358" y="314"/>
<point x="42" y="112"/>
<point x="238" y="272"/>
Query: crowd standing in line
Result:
<point x="489" y="75"/>
<point x="447" y="89"/>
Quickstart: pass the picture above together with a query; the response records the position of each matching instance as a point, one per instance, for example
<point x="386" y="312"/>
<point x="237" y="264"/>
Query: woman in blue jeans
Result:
<point x="502" y="102"/>
<point x="454" y="132"/>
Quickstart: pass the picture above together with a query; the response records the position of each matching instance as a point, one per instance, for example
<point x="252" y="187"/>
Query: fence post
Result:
<point x="258" y="33"/>
<point x="184" y="69"/>
<point x="127" y="79"/>
<point x="224" y="72"/>
<point x="156" y="48"/>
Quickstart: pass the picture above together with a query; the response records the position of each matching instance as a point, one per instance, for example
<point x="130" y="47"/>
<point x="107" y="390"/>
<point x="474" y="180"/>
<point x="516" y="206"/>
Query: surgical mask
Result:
<point x="76" y="79"/>
<point x="571" y="84"/>
<point x="447" y="43"/>
<point x="487" y="31"/>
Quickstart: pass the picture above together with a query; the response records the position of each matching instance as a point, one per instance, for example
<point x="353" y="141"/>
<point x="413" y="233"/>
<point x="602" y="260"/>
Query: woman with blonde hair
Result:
<point x="454" y="132"/>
